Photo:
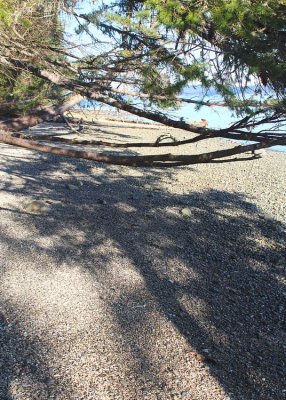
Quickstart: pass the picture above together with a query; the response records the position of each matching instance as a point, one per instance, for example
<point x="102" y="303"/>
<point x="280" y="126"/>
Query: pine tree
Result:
<point x="127" y="49"/>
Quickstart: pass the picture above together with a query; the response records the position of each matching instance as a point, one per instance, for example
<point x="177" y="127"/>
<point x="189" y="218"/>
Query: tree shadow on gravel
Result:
<point x="22" y="368"/>
<point x="215" y="276"/>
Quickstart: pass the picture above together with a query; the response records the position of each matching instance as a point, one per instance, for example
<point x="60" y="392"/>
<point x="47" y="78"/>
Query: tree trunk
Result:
<point x="51" y="113"/>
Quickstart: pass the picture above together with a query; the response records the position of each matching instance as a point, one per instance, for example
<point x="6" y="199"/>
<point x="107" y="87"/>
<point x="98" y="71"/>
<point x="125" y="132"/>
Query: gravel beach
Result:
<point x="122" y="284"/>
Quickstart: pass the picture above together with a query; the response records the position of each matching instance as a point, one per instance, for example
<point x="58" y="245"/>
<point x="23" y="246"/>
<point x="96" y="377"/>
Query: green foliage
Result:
<point x="26" y="23"/>
<point x="175" y="13"/>
<point x="21" y="92"/>
<point x="161" y="46"/>
<point x="251" y="32"/>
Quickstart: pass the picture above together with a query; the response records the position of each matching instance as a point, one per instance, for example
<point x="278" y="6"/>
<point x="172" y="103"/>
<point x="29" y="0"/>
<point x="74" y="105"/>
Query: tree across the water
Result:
<point x="139" y="56"/>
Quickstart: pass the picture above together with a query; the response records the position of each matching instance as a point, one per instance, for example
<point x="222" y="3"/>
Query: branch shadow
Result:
<point x="22" y="366"/>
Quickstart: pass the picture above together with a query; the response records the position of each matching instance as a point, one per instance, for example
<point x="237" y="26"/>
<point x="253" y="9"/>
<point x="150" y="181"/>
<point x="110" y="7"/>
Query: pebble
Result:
<point x="186" y="212"/>
<point x="70" y="284"/>
<point x="36" y="207"/>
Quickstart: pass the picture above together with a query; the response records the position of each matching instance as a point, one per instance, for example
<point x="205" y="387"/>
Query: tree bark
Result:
<point x="51" y="113"/>
<point x="160" y="160"/>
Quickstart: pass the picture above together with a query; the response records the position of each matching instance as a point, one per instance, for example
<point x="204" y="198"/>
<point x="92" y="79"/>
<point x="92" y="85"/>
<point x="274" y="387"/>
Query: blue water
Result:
<point x="217" y="117"/>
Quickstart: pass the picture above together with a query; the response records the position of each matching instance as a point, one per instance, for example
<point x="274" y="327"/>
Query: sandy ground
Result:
<point x="109" y="292"/>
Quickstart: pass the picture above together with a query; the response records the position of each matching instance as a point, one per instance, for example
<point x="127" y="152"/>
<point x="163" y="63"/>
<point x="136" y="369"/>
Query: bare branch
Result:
<point x="51" y="113"/>
<point x="161" y="160"/>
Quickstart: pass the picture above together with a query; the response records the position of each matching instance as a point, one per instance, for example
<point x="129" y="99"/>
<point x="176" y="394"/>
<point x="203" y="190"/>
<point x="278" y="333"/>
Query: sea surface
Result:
<point x="217" y="117"/>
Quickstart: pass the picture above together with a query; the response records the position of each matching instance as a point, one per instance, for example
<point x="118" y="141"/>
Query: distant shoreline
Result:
<point x="125" y="117"/>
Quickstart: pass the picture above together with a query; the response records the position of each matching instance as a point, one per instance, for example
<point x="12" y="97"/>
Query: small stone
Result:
<point x="72" y="187"/>
<point x="280" y="262"/>
<point x="198" y="356"/>
<point x="140" y="306"/>
<point x="101" y="201"/>
<point x="186" y="212"/>
<point x="36" y="206"/>
<point x="147" y="187"/>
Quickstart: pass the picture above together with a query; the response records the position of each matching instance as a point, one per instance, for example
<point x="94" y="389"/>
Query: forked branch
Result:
<point x="160" y="160"/>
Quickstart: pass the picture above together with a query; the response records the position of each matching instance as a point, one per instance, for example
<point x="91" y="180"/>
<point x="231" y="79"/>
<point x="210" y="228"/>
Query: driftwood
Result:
<point x="237" y="131"/>
<point x="160" y="160"/>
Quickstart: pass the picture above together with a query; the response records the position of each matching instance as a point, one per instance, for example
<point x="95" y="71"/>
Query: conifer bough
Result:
<point x="121" y="52"/>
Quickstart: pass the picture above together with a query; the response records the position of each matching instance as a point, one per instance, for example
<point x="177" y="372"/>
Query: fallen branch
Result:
<point x="160" y="160"/>
<point x="46" y="114"/>
<point x="158" y="143"/>
<point x="71" y="128"/>
<point x="83" y="90"/>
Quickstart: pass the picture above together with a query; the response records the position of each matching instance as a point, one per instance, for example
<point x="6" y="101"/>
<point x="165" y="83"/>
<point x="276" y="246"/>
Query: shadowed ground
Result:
<point x="112" y="293"/>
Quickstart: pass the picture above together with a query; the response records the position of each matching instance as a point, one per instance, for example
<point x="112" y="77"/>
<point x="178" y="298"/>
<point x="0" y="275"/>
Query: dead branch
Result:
<point x="71" y="128"/>
<point x="160" y="160"/>
<point x="249" y="103"/>
<point x="50" y="113"/>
